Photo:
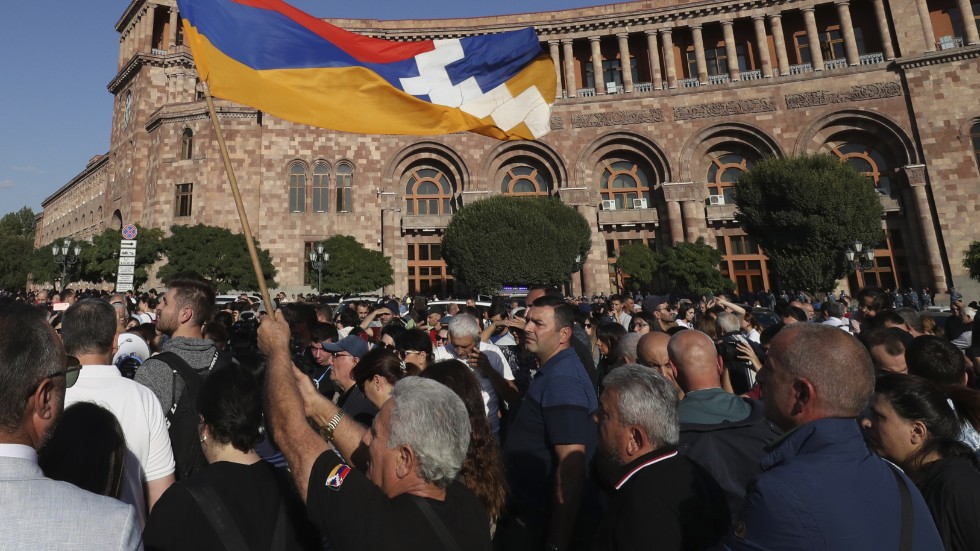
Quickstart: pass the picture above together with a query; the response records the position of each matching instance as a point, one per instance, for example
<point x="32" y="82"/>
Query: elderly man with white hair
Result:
<point x="408" y="497"/>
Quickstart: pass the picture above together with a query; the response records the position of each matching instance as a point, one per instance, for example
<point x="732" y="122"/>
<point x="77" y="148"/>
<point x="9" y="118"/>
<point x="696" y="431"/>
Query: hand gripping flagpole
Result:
<point x="256" y="265"/>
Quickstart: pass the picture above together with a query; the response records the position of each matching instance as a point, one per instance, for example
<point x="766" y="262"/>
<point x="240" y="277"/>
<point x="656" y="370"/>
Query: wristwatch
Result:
<point x="332" y="426"/>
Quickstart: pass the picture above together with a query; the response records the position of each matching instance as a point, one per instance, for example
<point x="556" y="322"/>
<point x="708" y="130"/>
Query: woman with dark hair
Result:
<point x="643" y="323"/>
<point x="911" y="423"/>
<point x="238" y="497"/>
<point x="390" y="333"/>
<point x="483" y="468"/>
<point x="87" y="449"/>
<point x="414" y="347"/>
<point x="685" y="315"/>
<point x="751" y="327"/>
<point x="376" y="374"/>
<point x="607" y="335"/>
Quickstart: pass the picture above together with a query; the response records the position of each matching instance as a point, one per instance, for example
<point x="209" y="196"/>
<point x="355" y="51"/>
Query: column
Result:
<point x="669" y="58"/>
<point x="597" y="76"/>
<point x="556" y="59"/>
<point x="927" y="34"/>
<point x="813" y="38"/>
<point x="699" y="54"/>
<point x="886" y="35"/>
<point x="654" y="52"/>
<point x="676" y="222"/>
<point x="571" y="84"/>
<point x="917" y="181"/>
<point x="690" y="220"/>
<point x="762" y="45"/>
<point x="730" y="52"/>
<point x="847" y="28"/>
<point x="969" y="23"/>
<point x="782" y="60"/>
<point x="172" y="39"/>
<point x="624" y="61"/>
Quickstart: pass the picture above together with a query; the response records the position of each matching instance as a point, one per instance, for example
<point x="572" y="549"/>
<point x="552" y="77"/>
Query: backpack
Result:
<point x="182" y="415"/>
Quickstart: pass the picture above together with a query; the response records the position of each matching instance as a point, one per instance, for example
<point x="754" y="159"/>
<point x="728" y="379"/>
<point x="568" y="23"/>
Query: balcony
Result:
<point x="689" y="83"/>
<point x="718" y="79"/>
<point x="628" y="216"/>
<point x="719" y="213"/>
<point x="800" y="69"/>
<point x="643" y="87"/>
<point x="872" y="59"/>
<point x="422" y="222"/>
<point x="949" y="42"/>
<point x="585" y="92"/>
<point x="751" y="75"/>
<point x="832" y="64"/>
<point x="889" y="203"/>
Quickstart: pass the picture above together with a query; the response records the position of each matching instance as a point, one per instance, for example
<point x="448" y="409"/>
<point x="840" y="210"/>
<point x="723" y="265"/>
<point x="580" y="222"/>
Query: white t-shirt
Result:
<point x="143" y="424"/>
<point x="499" y="364"/>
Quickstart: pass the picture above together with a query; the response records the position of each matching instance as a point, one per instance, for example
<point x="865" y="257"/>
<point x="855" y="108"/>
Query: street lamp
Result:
<point x="318" y="259"/>
<point x="859" y="258"/>
<point x="65" y="255"/>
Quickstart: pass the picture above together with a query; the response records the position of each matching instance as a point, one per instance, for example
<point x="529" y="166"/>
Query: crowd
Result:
<point x="164" y="421"/>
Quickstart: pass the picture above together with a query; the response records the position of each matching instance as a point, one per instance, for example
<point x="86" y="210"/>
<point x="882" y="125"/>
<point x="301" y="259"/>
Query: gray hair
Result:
<point x="465" y="325"/>
<point x="646" y="399"/>
<point x="911" y="317"/>
<point x="430" y="419"/>
<point x="627" y="346"/>
<point x="833" y="308"/>
<point x="728" y="322"/>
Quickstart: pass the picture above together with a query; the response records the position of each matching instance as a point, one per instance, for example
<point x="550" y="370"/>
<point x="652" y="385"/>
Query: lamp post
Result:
<point x="65" y="255"/>
<point x="318" y="260"/>
<point x="859" y="257"/>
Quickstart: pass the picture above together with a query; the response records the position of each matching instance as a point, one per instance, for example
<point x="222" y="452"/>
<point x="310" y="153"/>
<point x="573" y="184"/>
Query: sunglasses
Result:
<point x="403" y="353"/>
<point x="70" y="374"/>
<point x="442" y="339"/>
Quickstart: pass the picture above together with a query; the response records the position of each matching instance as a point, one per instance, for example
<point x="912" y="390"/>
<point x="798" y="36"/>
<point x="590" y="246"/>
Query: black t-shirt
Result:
<point x="951" y="488"/>
<point x="356" y="404"/>
<point x="356" y="515"/>
<point x="250" y="493"/>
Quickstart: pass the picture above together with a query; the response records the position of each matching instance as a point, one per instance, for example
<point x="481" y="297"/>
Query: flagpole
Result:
<point x="256" y="265"/>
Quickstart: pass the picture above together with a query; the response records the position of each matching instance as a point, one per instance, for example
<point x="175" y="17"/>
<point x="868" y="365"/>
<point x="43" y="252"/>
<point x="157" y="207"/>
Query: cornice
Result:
<point x="939" y="57"/>
<point x="187" y="112"/>
<point x="128" y="15"/>
<point x="92" y="168"/>
<point x="181" y="59"/>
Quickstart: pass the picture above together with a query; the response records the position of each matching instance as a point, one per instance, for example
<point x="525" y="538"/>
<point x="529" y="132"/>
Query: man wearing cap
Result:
<point x="346" y="353"/>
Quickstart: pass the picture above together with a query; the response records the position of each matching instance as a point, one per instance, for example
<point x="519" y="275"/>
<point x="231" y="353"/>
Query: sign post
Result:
<point x="126" y="271"/>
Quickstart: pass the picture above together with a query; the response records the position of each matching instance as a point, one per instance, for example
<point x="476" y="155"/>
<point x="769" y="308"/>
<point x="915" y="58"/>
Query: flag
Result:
<point x="280" y="60"/>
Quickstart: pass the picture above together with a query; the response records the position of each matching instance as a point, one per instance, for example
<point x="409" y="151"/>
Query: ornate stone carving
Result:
<point x="557" y="122"/>
<point x="916" y="174"/>
<point x="617" y="118"/>
<point x="856" y="93"/>
<point x="576" y="196"/>
<point x="682" y="191"/>
<point x="724" y="109"/>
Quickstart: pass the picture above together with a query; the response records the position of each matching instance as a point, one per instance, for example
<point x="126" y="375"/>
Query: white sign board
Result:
<point x="122" y="288"/>
<point x="127" y="244"/>
<point x="123" y="278"/>
<point x="128" y="270"/>
<point x="127" y="261"/>
<point x="127" y="252"/>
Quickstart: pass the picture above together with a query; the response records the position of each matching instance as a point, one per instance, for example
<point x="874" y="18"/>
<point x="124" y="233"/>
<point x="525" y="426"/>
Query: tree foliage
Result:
<point x="43" y="268"/>
<point x="971" y="260"/>
<point x="520" y="240"/>
<point x="804" y="212"/>
<point x="100" y="262"/>
<point x="352" y="268"/>
<point x="693" y="267"/>
<point x="16" y="244"/>
<point x="18" y="224"/>
<point x="639" y="262"/>
<point x="217" y="254"/>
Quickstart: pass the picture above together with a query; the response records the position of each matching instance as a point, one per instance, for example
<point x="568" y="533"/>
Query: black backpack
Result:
<point x="182" y="415"/>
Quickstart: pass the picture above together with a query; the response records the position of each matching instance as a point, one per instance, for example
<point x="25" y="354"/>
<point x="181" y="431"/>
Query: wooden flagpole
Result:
<point x="256" y="265"/>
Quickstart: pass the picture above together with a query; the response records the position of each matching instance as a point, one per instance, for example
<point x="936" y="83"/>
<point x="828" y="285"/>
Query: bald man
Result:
<point x="725" y="434"/>
<point x="651" y="351"/>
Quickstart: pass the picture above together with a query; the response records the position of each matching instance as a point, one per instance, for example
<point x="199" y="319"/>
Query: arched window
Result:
<point x="297" y="187"/>
<point x="725" y="169"/>
<point x="524" y="180"/>
<point x="428" y="191"/>
<point x="186" y="144"/>
<point x="868" y="161"/>
<point x="623" y="181"/>
<point x="128" y="108"/>
<point x="345" y="184"/>
<point x="321" y="183"/>
<point x="975" y="138"/>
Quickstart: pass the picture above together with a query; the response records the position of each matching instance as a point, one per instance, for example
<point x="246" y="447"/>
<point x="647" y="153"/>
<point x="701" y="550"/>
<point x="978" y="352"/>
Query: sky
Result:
<point x="57" y="57"/>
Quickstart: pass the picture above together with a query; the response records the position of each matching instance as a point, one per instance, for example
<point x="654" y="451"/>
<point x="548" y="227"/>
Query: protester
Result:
<point x="87" y="449"/>
<point x="415" y="348"/>
<point x="347" y="353"/>
<point x="608" y="335"/>
<point x="376" y="374"/>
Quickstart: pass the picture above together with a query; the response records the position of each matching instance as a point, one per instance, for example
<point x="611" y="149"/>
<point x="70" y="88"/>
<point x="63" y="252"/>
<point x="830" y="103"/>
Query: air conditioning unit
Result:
<point x="639" y="203"/>
<point x="609" y="204"/>
<point x="716" y="199"/>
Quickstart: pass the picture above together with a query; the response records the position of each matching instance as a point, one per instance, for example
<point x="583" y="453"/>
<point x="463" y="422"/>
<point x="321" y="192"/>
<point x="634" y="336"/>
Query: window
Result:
<point x="345" y="182"/>
<point x="831" y="44"/>
<point x="297" y="187"/>
<point x="523" y="179"/>
<point x="128" y="108"/>
<point x="956" y="19"/>
<point x="618" y="279"/>
<point x="742" y="261"/>
<point x="868" y="161"/>
<point x="427" y="272"/>
<point x="716" y="61"/>
<point x="975" y="138"/>
<point x="428" y="191"/>
<point x="725" y="169"/>
<point x="612" y="72"/>
<point x="186" y="144"/>
<point x="321" y="191"/>
<point x="183" y="199"/>
<point x="623" y="181"/>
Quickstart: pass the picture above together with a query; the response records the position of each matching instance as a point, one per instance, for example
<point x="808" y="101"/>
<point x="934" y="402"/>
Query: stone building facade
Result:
<point x="646" y="150"/>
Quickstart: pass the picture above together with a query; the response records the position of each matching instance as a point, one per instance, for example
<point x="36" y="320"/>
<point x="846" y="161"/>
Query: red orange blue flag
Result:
<point x="271" y="56"/>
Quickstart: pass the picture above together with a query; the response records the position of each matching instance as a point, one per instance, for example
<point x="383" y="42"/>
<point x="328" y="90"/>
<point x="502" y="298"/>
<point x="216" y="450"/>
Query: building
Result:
<point x="646" y="153"/>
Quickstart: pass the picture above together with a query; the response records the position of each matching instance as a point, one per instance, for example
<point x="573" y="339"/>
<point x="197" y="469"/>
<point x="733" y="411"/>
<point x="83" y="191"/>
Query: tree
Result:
<point x="16" y="244"/>
<point x="971" y="260"/>
<point x="522" y="240"/>
<point x="217" y="254"/>
<point x="44" y="269"/>
<point x="352" y="268"/>
<point x="19" y="224"/>
<point x="100" y="262"/>
<point x="693" y="267"/>
<point x="639" y="262"/>
<point x="804" y="212"/>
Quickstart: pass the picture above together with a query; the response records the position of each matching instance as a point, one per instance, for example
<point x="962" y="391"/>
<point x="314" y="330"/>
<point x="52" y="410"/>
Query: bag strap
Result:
<point x="180" y="368"/>
<point x="907" y="518"/>
<point x="218" y="516"/>
<point x="436" y="523"/>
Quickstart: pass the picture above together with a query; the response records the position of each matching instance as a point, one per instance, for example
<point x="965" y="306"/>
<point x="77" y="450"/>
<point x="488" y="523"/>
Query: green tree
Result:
<point x="217" y="254"/>
<point x="804" y="212"/>
<point x="100" y="262"/>
<point x="525" y="240"/>
<point x="19" y="224"/>
<point x="971" y="260"/>
<point x="694" y="267"/>
<point x="639" y="262"/>
<point x="16" y="248"/>
<point x="43" y="268"/>
<point x="352" y="268"/>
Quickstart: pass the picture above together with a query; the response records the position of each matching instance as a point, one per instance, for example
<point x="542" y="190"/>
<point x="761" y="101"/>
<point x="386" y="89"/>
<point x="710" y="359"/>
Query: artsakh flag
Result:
<point x="276" y="58"/>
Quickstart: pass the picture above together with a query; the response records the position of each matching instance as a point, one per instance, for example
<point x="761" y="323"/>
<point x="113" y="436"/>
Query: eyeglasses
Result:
<point x="71" y="374"/>
<point x="587" y="325"/>
<point x="342" y="354"/>
<point x="403" y="353"/>
<point x="442" y="339"/>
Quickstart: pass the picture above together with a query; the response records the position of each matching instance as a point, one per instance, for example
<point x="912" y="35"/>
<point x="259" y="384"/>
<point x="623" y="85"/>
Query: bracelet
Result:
<point x="332" y="426"/>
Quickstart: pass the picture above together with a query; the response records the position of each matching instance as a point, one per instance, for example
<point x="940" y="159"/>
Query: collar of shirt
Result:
<point x="18" y="451"/>
<point x="93" y="371"/>
<point x="638" y="465"/>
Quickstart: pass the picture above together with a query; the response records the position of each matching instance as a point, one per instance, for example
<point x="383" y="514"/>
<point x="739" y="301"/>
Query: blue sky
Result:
<point x="57" y="58"/>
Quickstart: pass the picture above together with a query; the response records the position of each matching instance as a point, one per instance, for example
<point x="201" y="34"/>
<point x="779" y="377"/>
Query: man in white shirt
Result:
<point x="88" y="332"/>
